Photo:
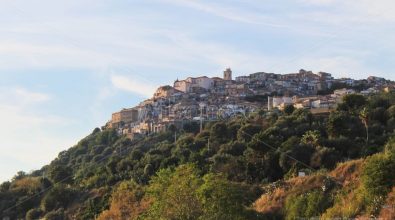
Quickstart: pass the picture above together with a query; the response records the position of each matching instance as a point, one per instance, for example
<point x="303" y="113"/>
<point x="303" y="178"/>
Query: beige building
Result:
<point x="165" y="92"/>
<point x="124" y="116"/>
<point x="389" y="89"/>
<point x="190" y="84"/>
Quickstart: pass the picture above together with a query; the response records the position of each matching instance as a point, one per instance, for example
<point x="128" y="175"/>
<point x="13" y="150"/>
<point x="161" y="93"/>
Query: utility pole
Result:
<point x="175" y="136"/>
<point x="202" y="105"/>
<point x="201" y="119"/>
<point x="208" y="145"/>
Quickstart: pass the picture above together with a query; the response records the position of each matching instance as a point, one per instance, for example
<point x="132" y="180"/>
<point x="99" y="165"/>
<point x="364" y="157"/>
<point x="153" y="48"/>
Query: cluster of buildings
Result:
<point x="205" y="98"/>
<point x="316" y="104"/>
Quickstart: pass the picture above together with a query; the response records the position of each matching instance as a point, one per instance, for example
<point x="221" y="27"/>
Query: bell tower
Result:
<point x="228" y="74"/>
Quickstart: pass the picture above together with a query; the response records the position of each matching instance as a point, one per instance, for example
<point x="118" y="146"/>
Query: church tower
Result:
<point x="228" y="74"/>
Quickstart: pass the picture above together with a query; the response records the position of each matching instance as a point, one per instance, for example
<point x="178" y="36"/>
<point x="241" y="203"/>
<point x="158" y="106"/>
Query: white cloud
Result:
<point x="229" y="13"/>
<point x="30" y="96"/>
<point x="22" y="55"/>
<point x="319" y="2"/>
<point x="361" y="12"/>
<point x="19" y="97"/>
<point x="28" y="139"/>
<point x="133" y="85"/>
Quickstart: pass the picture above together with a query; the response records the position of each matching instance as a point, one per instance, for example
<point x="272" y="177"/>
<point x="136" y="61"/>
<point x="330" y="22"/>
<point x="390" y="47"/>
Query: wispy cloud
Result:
<point x="28" y="139"/>
<point x="319" y="2"/>
<point x="167" y="39"/>
<point x="20" y="97"/>
<point x="363" y="12"/>
<point x="133" y="85"/>
<point x="30" y="96"/>
<point x="229" y="13"/>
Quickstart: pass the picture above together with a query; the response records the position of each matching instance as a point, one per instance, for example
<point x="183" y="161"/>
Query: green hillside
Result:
<point x="242" y="168"/>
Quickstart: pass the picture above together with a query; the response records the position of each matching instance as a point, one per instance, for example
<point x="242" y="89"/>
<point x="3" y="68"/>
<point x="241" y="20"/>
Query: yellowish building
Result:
<point x="124" y="116"/>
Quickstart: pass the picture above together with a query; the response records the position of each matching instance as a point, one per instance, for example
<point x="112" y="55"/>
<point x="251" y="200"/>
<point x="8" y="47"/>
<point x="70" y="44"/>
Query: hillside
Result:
<point x="239" y="168"/>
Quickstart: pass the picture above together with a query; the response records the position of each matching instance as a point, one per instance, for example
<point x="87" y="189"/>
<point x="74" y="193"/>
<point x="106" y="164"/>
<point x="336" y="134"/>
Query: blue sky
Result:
<point x="65" y="66"/>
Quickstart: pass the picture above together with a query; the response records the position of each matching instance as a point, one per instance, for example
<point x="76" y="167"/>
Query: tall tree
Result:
<point x="364" y="116"/>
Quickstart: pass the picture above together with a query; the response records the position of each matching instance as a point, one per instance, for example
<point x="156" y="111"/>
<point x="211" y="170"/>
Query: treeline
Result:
<point x="193" y="174"/>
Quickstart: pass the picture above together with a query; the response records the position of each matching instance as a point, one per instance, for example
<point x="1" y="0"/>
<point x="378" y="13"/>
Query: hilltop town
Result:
<point x="205" y="99"/>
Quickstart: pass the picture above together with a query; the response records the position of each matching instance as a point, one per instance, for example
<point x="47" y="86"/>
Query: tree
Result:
<point x="219" y="132"/>
<point x="364" y="116"/>
<point x="324" y="158"/>
<point x="19" y="175"/>
<point x="352" y="103"/>
<point x="58" y="197"/>
<point x="289" y="109"/>
<point x="184" y="194"/>
<point x="127" y="202"/>
<point x="55" y="215"/>
<point x="246" y="132"/>
<point x="378" y="176"/>
<point x="60" y="174"/>
<point x="33" y="214"/>
<point x="311" y="138"/>
<point x="175" y="194"/>
<point x="308" y="205"/>
<point x="148" y="170"/>
<point x="221" y="199"/>
<point x="233" y="148"/>
<point x="344" y="124"/>
<point x="391" y="111"/>
<point x="191" y="127"/>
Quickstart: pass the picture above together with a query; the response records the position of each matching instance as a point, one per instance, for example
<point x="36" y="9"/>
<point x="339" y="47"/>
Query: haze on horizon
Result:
<point x="66" y="65"/>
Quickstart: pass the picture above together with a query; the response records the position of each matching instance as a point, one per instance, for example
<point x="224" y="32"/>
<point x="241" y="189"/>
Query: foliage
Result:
<point x="127" y="202"/>
<point x="175" y="194"/>
<point x="378" y="178"/>
<point x="60" y="174"/>
<point x="221" y="199"/>
<point x="153" y="175"/>
<point x="308" y="205"/>
<point x="185" y="194"/>
<point x="352" y="103"/>
<point x="33" y="214"/>
<point x="55" y="215"/>
<point x="289" y="109"/>
<point x="59" y="196"/>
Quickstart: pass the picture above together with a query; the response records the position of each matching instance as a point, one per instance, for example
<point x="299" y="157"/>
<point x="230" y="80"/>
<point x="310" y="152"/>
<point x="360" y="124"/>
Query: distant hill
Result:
<point x="267" y="165"/>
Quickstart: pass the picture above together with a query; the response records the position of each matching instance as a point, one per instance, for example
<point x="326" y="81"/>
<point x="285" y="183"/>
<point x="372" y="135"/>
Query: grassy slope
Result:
<point x="345" y="175"/>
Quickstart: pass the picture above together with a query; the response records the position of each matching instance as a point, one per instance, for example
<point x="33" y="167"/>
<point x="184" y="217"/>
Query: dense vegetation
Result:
<point x="219" y="172"/>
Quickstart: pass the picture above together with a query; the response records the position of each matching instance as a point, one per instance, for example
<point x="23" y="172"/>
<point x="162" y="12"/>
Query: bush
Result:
<point x="55" y="215"/>
<point x="33" y="214"/>
<point x="308" y="205"/>
<point x="233" y="148"/>
<point x="57" y="197"/>
<point x="378" y="177"/>
<point x="246" y="132"/>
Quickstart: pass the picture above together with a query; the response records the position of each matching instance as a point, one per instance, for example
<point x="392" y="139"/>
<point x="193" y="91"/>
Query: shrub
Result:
<point x="55" y="215"/>
<point x="308" y="205"/>
<point x="57" y="197"/>
<point x="33" y="214"/>
<point x="378" y="177"/>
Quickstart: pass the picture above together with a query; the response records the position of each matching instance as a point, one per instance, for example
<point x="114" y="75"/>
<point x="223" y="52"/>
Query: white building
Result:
<point x="320" y="104"/>
<point x="347" y="81"/>
<point x="243" y="79"/>
<point x="343" y="92"/>
<point x="277" y="102"/>
<point x="188" y="84"/>
<point x="370" y="91"/>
